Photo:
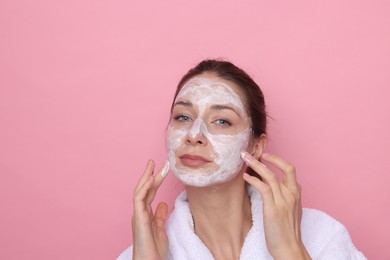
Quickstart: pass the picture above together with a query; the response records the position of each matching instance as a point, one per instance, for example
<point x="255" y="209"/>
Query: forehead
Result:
<point x="210" y="88"/>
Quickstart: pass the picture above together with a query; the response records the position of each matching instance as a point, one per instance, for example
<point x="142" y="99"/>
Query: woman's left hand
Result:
<point x="282" y="210"/>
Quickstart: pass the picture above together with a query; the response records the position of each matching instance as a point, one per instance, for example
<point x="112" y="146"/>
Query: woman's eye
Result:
<point x="182" y="118"/>
<point x="223" y="122"/>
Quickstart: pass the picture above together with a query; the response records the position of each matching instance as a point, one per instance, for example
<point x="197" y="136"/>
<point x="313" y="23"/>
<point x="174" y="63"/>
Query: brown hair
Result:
<point x="255" y="104"/>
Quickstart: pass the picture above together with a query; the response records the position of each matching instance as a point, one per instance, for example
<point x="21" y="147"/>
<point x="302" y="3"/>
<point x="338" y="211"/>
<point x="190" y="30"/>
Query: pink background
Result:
<point x="85" y="90"/>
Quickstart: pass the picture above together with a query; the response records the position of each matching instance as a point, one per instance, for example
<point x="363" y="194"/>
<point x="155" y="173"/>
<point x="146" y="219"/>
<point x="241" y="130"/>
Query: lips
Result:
<point x="193" y="160"/>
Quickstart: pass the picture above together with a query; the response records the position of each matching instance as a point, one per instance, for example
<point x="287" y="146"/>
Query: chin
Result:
<point x="196" y="180"/>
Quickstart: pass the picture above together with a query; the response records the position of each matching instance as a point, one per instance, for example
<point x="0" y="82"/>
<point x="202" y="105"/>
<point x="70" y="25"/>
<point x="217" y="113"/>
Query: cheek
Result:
<point x="174" y="139"/>
<point x="228" y="147"/>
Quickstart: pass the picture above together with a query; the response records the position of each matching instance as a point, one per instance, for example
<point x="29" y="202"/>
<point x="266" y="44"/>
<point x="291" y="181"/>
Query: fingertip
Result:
<point x="247" y="177"/>
<point x="149" y="167"/>
<point x="161" y="214"/>
<point x="162" y="206"/>
<point x="265" y="156"/>
<point x="165" y="169"/>
<point x="246" y="157"/>
<point x="150" y="162"/>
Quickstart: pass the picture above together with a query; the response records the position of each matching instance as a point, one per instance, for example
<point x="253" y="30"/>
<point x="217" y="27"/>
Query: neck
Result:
<point x="222" y="216"/>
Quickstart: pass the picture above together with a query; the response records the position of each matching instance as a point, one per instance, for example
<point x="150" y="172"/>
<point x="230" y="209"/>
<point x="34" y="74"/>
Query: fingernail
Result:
<point x="245" y="156"/>
<point x="165" y="169"/>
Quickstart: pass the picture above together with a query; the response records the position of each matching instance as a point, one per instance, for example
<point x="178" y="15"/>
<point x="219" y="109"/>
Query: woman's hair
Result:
<point x="228" y="71"/>
<point x="255" y="104"/>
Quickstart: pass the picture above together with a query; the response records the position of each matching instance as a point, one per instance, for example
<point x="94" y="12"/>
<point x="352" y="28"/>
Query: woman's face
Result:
<point x="209" y="127"/>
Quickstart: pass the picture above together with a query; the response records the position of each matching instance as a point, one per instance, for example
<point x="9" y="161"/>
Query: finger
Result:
<point x="264" y="189"/>
<point x="158" y="180"/>
<point x="161" y="215"/>
<point x="140" y="195"/>
<point x="159" y="219"/>
<point x="147" y="172"/>
<point x="160" y="236"/>
<point x="268" y="176"/>
<point x="288" y="170"/>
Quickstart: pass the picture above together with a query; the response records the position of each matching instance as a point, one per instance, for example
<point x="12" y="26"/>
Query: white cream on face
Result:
<point x="203" y="93"/>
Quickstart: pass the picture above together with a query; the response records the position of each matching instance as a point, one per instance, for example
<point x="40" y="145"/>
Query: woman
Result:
<point x="233" y="205"/>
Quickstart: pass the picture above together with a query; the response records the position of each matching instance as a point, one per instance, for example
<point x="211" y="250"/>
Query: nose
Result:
<point x="196" y="134"/>
<point x="198" y="139"/>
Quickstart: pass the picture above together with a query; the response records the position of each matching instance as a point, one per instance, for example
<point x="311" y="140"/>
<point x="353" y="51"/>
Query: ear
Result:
<point x="259" y="145"/>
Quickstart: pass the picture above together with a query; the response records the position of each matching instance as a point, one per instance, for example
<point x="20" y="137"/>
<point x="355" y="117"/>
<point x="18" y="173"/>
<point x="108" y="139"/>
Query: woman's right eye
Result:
<point x="183" y="118"/>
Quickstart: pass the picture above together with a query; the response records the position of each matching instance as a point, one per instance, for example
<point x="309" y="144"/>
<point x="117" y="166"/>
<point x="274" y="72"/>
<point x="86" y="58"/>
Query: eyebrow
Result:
<point x="187" y="103"/>
<point x="223" y="107"/>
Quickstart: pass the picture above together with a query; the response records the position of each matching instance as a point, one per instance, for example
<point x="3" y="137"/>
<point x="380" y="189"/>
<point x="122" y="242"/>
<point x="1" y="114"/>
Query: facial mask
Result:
<point x="203" y="92"/>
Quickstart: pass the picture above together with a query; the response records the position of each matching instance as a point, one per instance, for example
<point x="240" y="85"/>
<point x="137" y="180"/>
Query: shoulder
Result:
<point x="127" y="254"/>
<point x="319" y="219"/>
<point x="317" y="227"/>
<point x="325" y="237"/>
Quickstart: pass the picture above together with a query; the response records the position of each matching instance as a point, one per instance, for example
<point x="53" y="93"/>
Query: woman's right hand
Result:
<point x="150" y="240"/>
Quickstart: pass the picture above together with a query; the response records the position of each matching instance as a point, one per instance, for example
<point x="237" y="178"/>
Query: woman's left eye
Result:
<point x="223" y="122"/>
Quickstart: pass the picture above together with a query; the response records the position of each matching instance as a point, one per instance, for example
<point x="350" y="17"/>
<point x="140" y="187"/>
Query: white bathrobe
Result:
<point x="323" y="236"/>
